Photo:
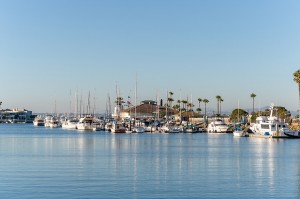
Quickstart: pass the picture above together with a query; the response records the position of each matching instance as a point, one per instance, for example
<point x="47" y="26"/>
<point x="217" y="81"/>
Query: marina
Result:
<point x="149" y="99"/>
<point x="58" y="163"/>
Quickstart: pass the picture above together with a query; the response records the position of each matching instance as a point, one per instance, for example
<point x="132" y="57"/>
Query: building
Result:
<point x="147" y="109"/>
<point x="16" y="116"/>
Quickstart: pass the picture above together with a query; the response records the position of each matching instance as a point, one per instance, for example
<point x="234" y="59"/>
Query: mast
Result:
<point x="167" y="107"/>
<point x="94" y="108"/>
<point x="180" y="108"/>
<point x="70" y="103"/>
<point x="88" y="105"/>
<point x="76" y="104"/>
<point x="157" y="107"/>
<point x="80" y="105"/>
<point x="135" y="96"/>
<point x="238" y="111"/>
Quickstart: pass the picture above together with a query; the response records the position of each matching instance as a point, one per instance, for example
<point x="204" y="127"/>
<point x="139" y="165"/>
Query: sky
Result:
<point x="52" y="49"/>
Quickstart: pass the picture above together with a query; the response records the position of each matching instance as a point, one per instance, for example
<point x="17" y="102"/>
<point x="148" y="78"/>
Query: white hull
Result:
<point x="240" y="134"/>
<point x="69" y="126"/>
<point x="85" y="127"/>
<point x="37" y="123"/>
<point x="138" y="130"/>
<point x="54" y="126"/>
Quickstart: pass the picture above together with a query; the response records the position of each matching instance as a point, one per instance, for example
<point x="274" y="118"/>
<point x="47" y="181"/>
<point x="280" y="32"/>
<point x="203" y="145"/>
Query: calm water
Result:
<point x="36" y="162"/>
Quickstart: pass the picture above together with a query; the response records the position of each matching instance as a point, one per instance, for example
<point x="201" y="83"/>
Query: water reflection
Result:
<point x="90" y="165"/>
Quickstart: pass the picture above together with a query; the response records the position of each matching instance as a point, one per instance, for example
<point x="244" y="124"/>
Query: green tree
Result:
<point x="236" y="114"/>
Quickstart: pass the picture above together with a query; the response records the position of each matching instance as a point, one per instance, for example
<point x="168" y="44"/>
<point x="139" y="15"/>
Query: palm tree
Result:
<point x="179" y="104"/>
<point x="205" y="101"/>
<point x="218" y="97"/>
<point x="184" y="104"/>
<point x="221" y="100"/>
<point x="252" y="96"/>
<point x="199" y="101"/>
<point x="297" y="80"/>
<point x="190" y="105"/>
<point x="170" y="99"/>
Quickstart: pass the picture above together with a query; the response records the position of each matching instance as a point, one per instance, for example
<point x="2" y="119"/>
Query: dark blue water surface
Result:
<point x="36" y="162"/>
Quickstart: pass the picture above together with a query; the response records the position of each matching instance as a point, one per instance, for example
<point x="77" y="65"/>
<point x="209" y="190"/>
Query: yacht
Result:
<point x="38" y="121"/>
<point x="54" y="123"/>
<point x="217" y="126"/>
<point x="117" y="127"/>
<point x="51" y="121"/>
<point x="86" y="123"/>
<point x="70" y="123"/>
<point x="269" y="126"/>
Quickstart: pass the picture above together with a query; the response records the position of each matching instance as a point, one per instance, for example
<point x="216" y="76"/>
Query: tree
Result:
<point x="237" y="113"/>
<point x="297" y="80"/>
<point x="199" y="101"/>
<point x="170" y="99"/>
<point x="221" y="100"/>
<point x="218" y="97"/>
<point x="252" y="96"/>
<point x="190" y="105"/>
<point x="184" y="104"/>
<point x="205" y="101"/>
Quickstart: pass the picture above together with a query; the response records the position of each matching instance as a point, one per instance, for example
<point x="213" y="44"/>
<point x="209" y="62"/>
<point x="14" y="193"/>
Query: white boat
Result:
<point x="170" y="129"/>
<point x="138" y="129"/>
<point x="70" y="123"/>
<point x="86" y="123"/>
<point x="54" y="123"/>
<point x="270" y="126"/>
<point x="239" y="132"/>
<point x="117" y="127"/>
<point x="51" y="121"/>
<point x="38" y="121"/>
<point x="217" y="126"/>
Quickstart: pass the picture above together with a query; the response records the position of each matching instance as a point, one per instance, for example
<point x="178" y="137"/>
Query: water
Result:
<point x="36" y="162"/>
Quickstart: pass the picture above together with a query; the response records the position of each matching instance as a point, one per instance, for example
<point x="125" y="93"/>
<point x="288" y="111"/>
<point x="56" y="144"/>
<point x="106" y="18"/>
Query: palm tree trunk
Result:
<point x="252" y="105"/>
<point x="299" y="100"/>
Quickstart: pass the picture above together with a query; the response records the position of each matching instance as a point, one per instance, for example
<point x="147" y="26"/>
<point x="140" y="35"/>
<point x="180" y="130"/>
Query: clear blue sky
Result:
<point x="203" y="48"/>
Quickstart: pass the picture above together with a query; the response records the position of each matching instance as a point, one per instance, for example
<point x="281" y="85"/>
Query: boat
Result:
<point x="70" y="123"/>
<point x="239" y="132"/>
<point x="54" y="123"/>
<point x="217" y="126"/>
<point x="86" y="123"/>
<point x="270" y="126"/>
<point x="38" y="121"/>
<point x="51" y="121"/>
<point x="138" y="129"/>
<point x="117" y="127"/>
<point x="292" y="134"/>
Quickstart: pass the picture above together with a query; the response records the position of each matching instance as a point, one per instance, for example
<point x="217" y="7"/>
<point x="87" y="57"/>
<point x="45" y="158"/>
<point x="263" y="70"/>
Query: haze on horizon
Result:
<point x="193" y="48"/>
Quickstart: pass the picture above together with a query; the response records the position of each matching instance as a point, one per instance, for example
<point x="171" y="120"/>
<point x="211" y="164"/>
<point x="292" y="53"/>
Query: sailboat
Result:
<point x="238" y="131"/>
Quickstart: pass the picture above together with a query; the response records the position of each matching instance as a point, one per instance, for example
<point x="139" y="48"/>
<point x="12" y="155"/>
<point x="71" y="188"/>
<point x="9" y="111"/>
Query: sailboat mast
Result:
<point x="238" y="111"/>
<point x="135" y="96"/>
<point x="180" y="107"/>
<point x="167" y="107"/>
<point x="70" y="103"/>
<point x="94" y="108"/>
